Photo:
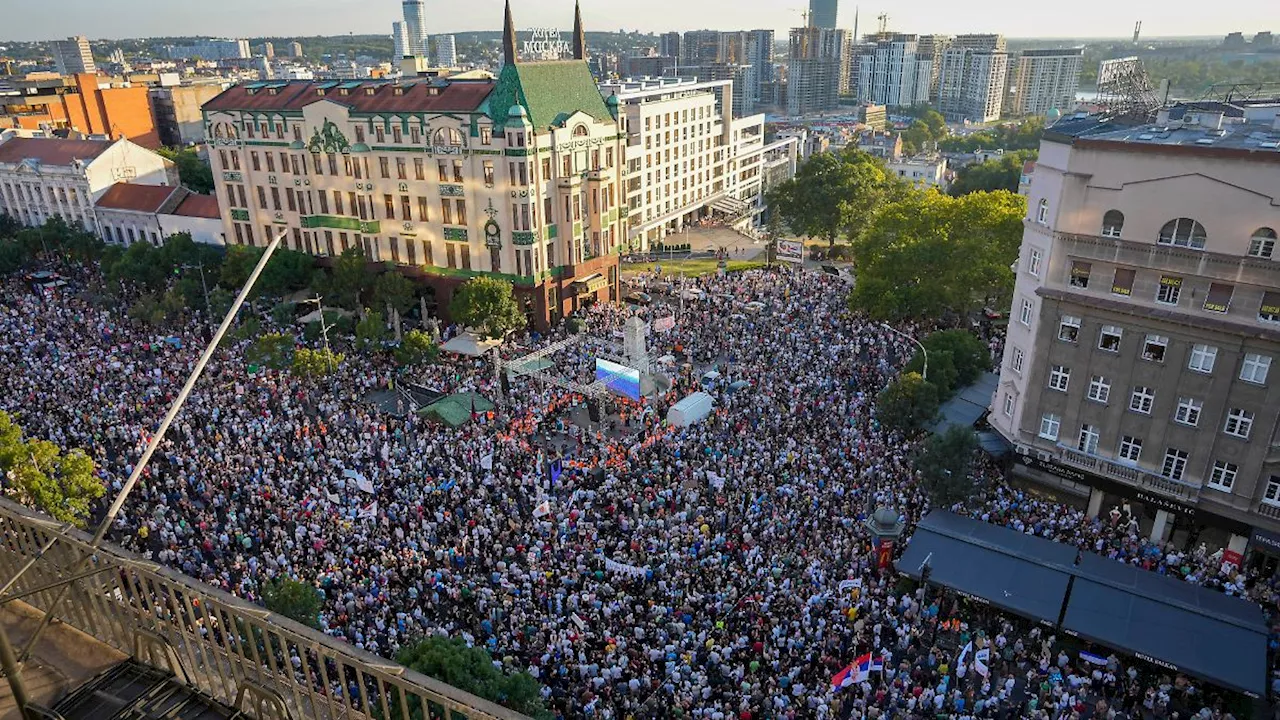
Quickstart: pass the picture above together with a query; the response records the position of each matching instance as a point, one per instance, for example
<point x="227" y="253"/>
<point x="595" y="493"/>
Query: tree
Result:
<point x="295" y="600"/>
<point x="928" y="254"/>
<point x="288" y="271"/>
<point x="1003" y="173"/>
<point x="471" y="670"/>
<point x="956" y="359"/>
<point x="371" y="331"/>
<point x="832" y="195"/>
<point x="416" y="347"/>
<point x="945" y="462"/>
<point x="349" y="281"/>
<point x="487" y="305"/>
<point x="142" y="266"/>
<point x="315" y="363"/>
<point x="158" y="309"/>
<point x="238" y="265"/>
<point x="193" y="172"/>
<point x="61" y="484"/>
<point x="394" y="292"/>
<point x="908" y="404"/>
<point x="274" y="350"/>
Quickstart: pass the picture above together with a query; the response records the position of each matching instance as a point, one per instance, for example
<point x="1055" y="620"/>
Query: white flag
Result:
<point x="980" y="660"/>
<point x="486" y="462"/>
<point x="362" y="482"/>
<point x="369" y="512"/>
<point x="543" y="509"/>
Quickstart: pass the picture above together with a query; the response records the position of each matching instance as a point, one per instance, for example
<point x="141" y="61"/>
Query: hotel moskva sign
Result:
<point x="545" y="43"/>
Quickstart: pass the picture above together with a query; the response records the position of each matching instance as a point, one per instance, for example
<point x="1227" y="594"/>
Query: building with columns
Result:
<point x="1142" y="363"/>
<point x="518" y="177"/>
<point x="42" y="178"/>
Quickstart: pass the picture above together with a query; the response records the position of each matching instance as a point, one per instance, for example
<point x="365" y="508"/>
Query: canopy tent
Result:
<point x="1170" y="623"/>
<point x="1174" y="624"/>
<point x="470" y="345"/>
<point x="968" y="405"/>
<point x="1021" y="574"/>
<point x="456" y="409"/>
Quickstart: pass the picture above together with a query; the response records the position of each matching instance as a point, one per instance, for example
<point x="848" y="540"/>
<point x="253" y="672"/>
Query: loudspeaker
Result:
<point x="506" y="384"/>
<point x="593" y="410"/>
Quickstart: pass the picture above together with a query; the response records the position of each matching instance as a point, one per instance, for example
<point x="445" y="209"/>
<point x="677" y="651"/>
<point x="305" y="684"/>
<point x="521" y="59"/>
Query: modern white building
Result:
<point x="399" y="41"/>
<point x="921" y="171"/>
<point x="415" y="26"/>
<point x="42" y="178"/>
<point x="971" y="84"/>
<point x="892" y="72"/>
<point x="446" y="51"/>
<point x="688" y="158"/>
<point x="1044" y="80"/>
<point x="817" y="67"/>
<point x="73" y="56"/>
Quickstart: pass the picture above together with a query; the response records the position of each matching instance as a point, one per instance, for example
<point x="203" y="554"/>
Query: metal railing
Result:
<point x="224" y="646"/>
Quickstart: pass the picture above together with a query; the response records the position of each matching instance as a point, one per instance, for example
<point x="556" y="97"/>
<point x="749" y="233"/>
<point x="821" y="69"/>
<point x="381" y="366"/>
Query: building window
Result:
<point x="1182" y="232"/>
<point x="1255" y="368"/>
<point x="419" y="170"/>
<point x="1069" y="328"/>
<point x="446" y="212"/>
<point x="1123" y="282"/>
<point x="1033" y="262"/>
<point x="1239" y="423"/>
<point x="1130" y="448"/>
<point x="1049" y="426"/>
<point x="486" y="136"/>
<point x="1188" y="412"/>
<point x="1059" y="378"/>
<point x="1218" y="299"/>
<point x="1042" y="211"/>
<point x="1008" y="405"/>
<point x="1024" y="315"/>
<point x="415" y="135"/>
<point x="1202" y="358"/>
<point x="442" y="169"/>
<point x="1112" y="223"/>
<point x="389" y="207"/>
<point x="424" y="210"/>
<point x="457" y="171"/>
<point x="1109" y="338"/>
<point x="402" y="170"/>
<point x="1088" y="441"/>
<point x="488" y="173"/>
<point x="1099" y="389"/>
<point x="1263" y="243"/>
<point x="1154" y="347"/>
<point x="1223" y="475"/>
<point x="1142" y="399"/>
<point x="1018" y="358"/>
<point x="1269" y="310"/>
<point x="1175" y="464"/>
<point x="1080" y="274"/>
<point x="1272" y="494"/>
<point x="359" y="133"/>
<point x="1169" y="290"/>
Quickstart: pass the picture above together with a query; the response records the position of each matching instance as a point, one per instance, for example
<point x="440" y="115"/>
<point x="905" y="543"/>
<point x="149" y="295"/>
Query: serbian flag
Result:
<point x="856" y="672"/>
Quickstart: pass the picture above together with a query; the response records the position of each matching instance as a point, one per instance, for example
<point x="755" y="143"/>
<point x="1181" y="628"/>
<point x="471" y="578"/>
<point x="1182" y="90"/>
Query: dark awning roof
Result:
<point x="968" y="405"/>
<point x="1195" y="630"/>
<point x="1020" y="573"/>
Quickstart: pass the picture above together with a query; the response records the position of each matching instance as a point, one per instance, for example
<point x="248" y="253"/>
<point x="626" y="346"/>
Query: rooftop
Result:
<point x="51" y="151"/>
<point x="363" y="96"/>
<point x="1205" y="127"/>
<point x="135" y="197"/>
<point x="202" y="206"/>
<point x="549" y="91"/>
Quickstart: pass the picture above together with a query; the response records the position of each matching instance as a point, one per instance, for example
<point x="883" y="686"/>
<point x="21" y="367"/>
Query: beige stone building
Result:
<point x="1142" y="363"/>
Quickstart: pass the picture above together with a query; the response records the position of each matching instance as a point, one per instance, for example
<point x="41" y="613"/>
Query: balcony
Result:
<point x="1236" y="269"/>
<point x="1177" y="489"/>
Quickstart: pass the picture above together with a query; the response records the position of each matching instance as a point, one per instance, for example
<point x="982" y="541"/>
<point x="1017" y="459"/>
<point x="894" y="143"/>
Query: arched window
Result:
<point x="1112" y="223"/>
<point x="1263" y="243"/>
<point x="448" y="136"/>
<point x="1042" y="211"/>
<point x="581" y="131"/>
<point x="1182" y="232"/>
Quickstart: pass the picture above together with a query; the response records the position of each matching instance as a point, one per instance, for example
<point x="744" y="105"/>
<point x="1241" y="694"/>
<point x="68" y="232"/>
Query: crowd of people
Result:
<point x="715" y="571"/>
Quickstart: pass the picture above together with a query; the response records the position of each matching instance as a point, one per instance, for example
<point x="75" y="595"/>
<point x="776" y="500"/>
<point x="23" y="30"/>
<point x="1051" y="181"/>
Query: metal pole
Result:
<point x="324" y="330"/>
<point x="12" y="669"/>
<point x="919" y="344"/>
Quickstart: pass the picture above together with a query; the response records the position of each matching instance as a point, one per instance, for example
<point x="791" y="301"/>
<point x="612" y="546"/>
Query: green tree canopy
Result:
<point x="274" y="350"/>
<point x="928" y="254"/>
<point x="472" y="670"/>
<point x="1023" y="135"/>
<point x="61" y="484"/>
<point x="1004" y="173"/>
<point x="945" y="464"/>
<point x="487" y="305"/>
<point x="908" y="404"/>
<point x="193" y="172"/>
<point x="143" y="266"/>
<point x="956" y="359"/>
<point x="315" y="363"/>
<point x="348" y="282"/>
<point x="832" y="195"/>
<point x="416" y="347"/>
<point x="371" y="331"/>
<point x="295" y="600"/>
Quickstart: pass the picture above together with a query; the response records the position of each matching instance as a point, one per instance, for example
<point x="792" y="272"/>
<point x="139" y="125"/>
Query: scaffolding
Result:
<point x="632" y="353"/>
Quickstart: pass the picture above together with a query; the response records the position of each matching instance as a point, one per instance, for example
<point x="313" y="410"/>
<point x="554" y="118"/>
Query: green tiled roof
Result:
<point x="549" y="91"/>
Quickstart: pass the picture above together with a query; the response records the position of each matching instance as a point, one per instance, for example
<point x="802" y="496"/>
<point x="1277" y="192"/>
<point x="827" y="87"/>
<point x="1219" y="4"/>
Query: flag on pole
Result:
<point x="1092" y="658"/>
<point x="842" y="679"/>
<point x="543" y="509"/>
<point x="981" y="659"/>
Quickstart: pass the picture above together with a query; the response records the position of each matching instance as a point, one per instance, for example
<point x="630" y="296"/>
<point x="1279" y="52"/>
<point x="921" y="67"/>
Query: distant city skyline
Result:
<point x="253" y="18"/>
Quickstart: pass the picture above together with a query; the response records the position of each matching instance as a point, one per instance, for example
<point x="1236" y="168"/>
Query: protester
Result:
<point x="715" y="571"/>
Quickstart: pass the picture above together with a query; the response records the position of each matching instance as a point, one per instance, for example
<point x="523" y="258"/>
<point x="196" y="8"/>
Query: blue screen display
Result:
<point x="620" y="379"/>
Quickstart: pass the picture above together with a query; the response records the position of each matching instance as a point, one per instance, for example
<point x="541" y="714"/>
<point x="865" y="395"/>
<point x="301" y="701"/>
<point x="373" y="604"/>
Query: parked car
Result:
<point x="638" y="298"/>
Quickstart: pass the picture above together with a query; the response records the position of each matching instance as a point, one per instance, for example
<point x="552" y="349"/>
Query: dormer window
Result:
<point x="369" y="91"/>
<point x="397" y="91"/>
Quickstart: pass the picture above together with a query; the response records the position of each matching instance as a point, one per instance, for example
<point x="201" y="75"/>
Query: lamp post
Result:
<point x="203" y="285"/>
<point x="920" y="345"/>
<point x="324" y="329"/>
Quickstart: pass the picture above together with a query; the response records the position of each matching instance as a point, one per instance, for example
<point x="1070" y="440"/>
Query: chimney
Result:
<point x="579" y="35"/>
<point x="509" y="38"/>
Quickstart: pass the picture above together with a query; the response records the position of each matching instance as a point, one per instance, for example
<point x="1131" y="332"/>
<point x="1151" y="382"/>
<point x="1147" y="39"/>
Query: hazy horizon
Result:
<point x="1087" y="19"/>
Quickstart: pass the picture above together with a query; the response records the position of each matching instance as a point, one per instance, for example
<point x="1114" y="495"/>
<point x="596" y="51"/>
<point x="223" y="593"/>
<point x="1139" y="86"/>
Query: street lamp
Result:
<point x="324" y="328"/>
<point x="203" y="285"/>
<point x="890" y="328"/>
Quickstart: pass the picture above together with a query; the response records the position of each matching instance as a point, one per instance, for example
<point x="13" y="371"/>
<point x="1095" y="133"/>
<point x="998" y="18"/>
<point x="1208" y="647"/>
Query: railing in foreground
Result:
<point x="237" y="652"/>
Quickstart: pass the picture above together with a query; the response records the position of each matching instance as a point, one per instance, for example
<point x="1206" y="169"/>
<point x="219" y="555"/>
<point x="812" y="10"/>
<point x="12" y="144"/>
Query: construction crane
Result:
<point x="883" y="19"/>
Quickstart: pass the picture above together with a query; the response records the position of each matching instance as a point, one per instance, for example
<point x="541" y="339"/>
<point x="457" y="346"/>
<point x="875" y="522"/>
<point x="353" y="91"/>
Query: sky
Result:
<point x="257" y="18"/>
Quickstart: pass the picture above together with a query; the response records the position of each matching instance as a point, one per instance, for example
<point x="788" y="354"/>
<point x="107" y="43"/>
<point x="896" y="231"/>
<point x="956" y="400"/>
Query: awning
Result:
<point x="729" y="205"/>
<point x="1018" y="573"/>
<point x="469" y="345"/>
<point x="1170" y="623"/>
<point x="968" y="405"/>
<point x="590" y="284"/>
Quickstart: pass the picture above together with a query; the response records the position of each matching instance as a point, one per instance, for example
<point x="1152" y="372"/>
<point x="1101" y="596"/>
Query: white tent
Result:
<point x="469" y="344"/>
<point x="690" y="410"/>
